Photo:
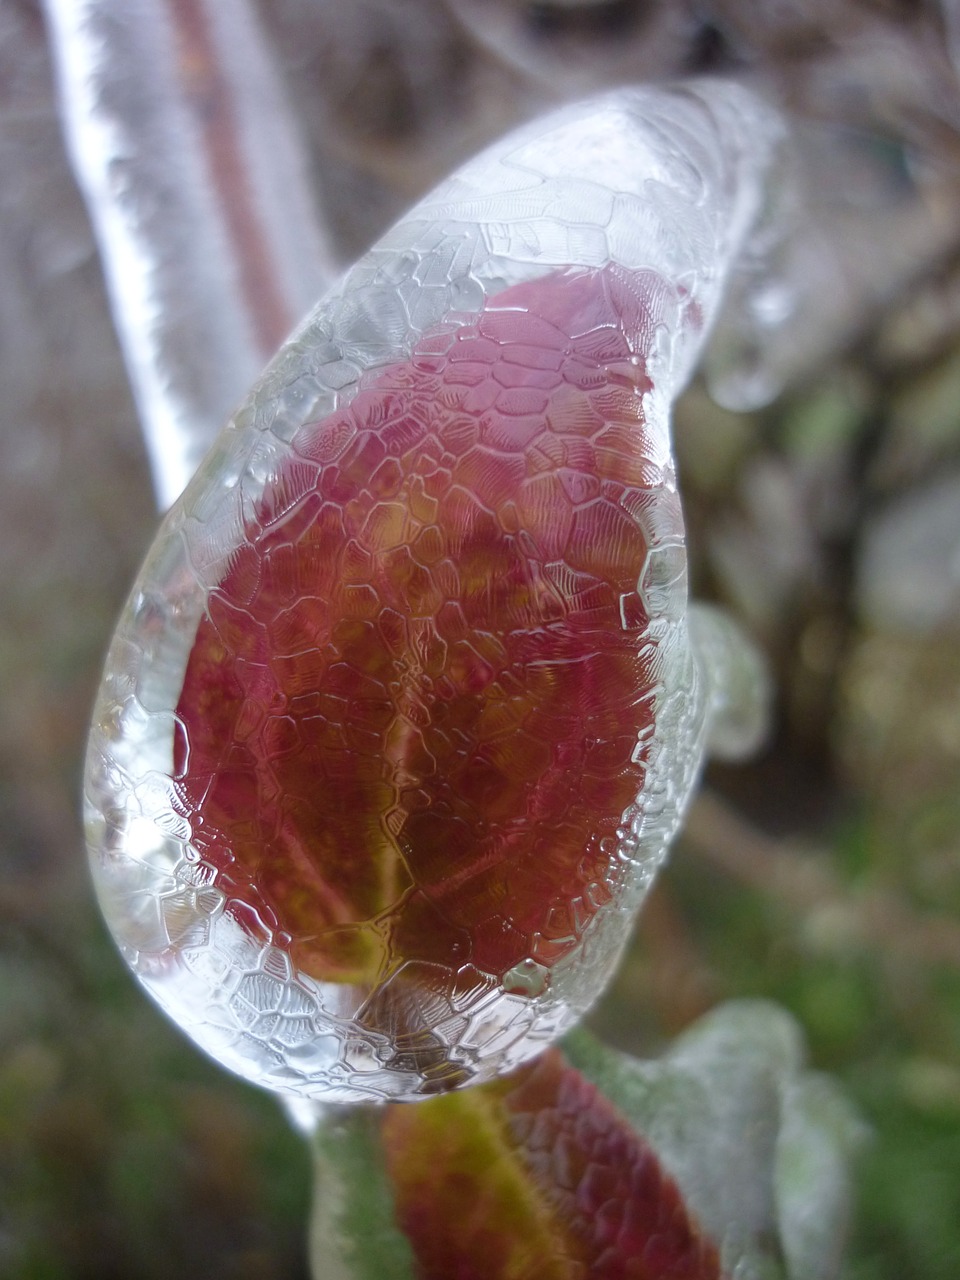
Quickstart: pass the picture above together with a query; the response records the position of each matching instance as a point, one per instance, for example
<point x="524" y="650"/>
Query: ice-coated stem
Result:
<point x="197" y="187"/>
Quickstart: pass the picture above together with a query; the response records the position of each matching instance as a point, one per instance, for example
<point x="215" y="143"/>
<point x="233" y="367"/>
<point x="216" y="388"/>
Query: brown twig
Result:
<point x="802" y="878"/>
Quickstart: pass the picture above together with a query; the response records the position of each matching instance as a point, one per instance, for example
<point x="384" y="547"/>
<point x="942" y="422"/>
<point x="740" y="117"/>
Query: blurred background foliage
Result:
<point x="826" y="874"/>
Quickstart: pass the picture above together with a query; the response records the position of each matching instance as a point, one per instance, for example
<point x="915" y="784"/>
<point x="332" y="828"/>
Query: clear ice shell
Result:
<point x="595" y="240"/>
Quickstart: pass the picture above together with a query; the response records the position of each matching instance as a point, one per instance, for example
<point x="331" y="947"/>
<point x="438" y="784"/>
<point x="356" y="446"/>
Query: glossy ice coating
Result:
<point x="403" y="710"/>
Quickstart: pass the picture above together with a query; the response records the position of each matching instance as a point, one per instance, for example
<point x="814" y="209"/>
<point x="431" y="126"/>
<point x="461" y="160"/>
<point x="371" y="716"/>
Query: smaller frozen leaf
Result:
<point x="760" y="1147"/>
<point x="537" y="1177"/>
<point x="598" y="1164"/>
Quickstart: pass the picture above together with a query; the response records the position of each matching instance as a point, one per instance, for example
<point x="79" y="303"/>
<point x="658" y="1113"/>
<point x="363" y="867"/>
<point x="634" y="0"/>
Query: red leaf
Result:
<point x="537" y="1177"/>
<point x="411" y="715"/>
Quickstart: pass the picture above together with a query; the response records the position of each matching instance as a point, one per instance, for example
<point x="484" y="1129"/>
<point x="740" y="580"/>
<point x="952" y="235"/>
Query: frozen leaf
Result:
<point x="407" y="656"/>
<point x="722" y="1157"/>
<point x="407" y="675"/>
<point x="533" y="1177"/>
<point x="760" y="1147"/>
<point x="538" y="1177"/>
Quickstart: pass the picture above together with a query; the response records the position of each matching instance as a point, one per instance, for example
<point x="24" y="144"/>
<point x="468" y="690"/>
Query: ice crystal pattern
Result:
<point x="403" y="709"/>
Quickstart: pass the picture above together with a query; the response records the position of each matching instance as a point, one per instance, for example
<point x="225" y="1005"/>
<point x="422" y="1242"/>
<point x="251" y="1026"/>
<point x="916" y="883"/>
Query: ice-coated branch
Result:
<point x="198" y="191"/>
